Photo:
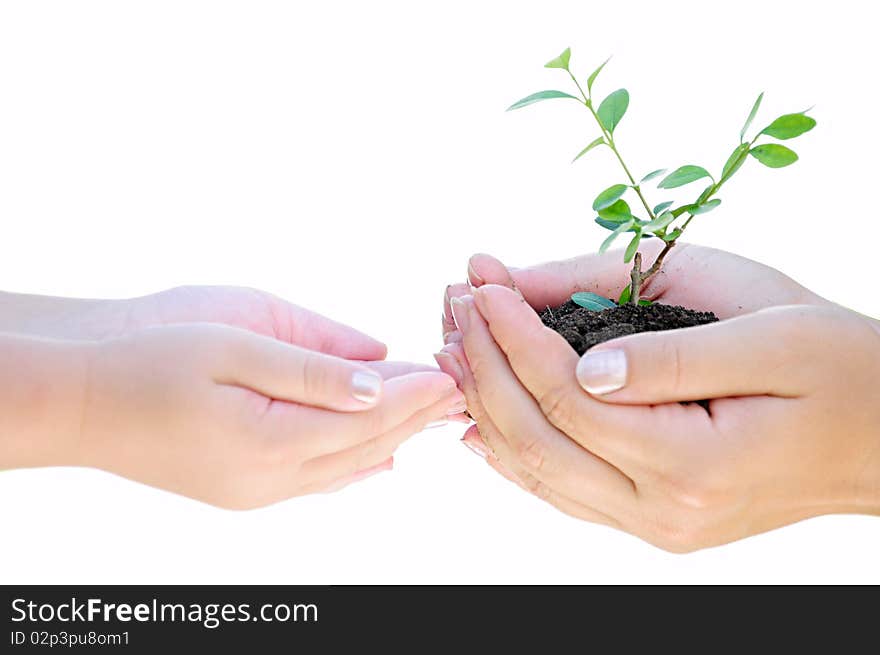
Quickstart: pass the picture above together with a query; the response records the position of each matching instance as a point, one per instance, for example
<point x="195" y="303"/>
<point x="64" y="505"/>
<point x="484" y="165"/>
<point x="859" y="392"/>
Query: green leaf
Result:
<point x="538" y="97"/>
<point x="595" y="74"/>
<point x="735" y="161"/>
<point x="752" y="114"/>
<point x="672" y="236"/>
<point x="789" y="126"/>
<point x="609" y="196"/>
<point x="607" y="223"/>
<point x="561" y="61"/>
<point x="663" y="206"/>
<point x="645" y="303"/>
<point x="684" y="175"/>
<point x="650" y="176"/>
<point x="623" y="227"/>
<point x="659" y="223"/>
<point x="705" y="207"/>
<point x="774" y="155"/>
<point x="619" y="211"/>
<point x="705" y="194"/>
<point x="598" y="142"/>
<point x="632" y="248"/>
<point x="625" y="295"/>
<point x="612" y="109"/>
<point x="592" y="301"/>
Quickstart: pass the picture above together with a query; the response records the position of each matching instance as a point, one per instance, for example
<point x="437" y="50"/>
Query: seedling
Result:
<point x="663" y="221"/>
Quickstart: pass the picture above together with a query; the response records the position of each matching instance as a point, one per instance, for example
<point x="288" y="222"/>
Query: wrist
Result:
<point x="62" y="318"/>
<point x="43" y="387"/>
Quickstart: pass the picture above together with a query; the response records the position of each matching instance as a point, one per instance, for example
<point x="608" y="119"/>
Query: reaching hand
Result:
<point x="241" y="420"/>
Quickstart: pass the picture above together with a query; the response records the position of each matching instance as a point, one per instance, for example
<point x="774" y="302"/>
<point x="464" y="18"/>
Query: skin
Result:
<point x="227" y="395"/>
<point x="794" y="426"/>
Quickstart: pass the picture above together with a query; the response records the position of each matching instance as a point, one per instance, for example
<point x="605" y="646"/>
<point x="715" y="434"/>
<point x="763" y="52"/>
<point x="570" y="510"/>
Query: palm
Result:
<point x="693" y="276"/>
<point x="727" y="284"/>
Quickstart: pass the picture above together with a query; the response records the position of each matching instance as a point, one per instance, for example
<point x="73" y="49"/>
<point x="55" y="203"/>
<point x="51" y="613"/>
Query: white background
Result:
<point x="350" y="156"/>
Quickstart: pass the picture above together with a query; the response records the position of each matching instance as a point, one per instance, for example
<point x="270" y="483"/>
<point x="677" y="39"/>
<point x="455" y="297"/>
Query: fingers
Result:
<point x="281" y="371"/>
<point x="450" y="332"/>
<point x="330" y="432"/>
<point x="545" y="365"/>
<point x="745" y="356"/>
<point x="390" y="370"/>
<point x="555" y="461"/>
<point x="316" y="332"/>
<point x="486" y="269"/>
<point x="364" y="456"/>
<point x="551" y="284"/>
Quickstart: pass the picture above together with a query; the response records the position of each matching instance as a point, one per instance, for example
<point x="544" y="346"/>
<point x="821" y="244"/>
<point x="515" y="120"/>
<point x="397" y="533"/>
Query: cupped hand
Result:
<point x="241" y="420"/>
<point x="693" y="276"/>
<point x="793" y="429"/>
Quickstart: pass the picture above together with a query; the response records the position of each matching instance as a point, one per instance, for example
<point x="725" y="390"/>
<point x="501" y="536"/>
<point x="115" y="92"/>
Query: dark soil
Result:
<point x="583" y="328"/>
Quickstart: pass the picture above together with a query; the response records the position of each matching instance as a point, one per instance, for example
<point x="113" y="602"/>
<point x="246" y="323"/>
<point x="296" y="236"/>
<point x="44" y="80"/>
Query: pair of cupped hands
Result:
<point x="237" y="398"/>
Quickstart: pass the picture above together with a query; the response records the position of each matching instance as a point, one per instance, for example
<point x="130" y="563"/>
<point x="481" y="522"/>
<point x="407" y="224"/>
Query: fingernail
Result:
<point x="457" y="408"/>
<point x="474" y="279"/>
<point x="449" y="365"/>
<point x="452" y="337"/>
<point x="602" y="371"/>
<point x="474" y="448"/>
<point x="436" y="424"/>
<point x="366" y="386"/>
<point x="460" y="313"/>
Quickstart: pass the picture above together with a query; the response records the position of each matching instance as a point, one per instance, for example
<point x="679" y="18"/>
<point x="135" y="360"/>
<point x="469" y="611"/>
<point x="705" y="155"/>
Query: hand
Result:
<point x="250" y="309"/>
<point x="693" y="276"/>
<point x="241" y="420"/>
<point x="793" y="429"/>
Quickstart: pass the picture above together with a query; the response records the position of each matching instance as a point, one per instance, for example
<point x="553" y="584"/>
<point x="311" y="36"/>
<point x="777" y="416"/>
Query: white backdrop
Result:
<point x="349" y="156"/>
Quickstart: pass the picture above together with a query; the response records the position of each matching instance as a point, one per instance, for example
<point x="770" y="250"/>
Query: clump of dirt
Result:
<point x="583" y="328"/>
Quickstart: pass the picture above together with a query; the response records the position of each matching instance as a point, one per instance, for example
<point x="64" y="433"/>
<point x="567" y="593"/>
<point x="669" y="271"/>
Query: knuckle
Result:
<point x="365" y="456"/>
<point x="532" y="454"/>
<point x="478" y="366"/>
<point x="314" y="376"/>
<point x="670" y="353"/>
<point x="695" y="491"/>
<point x="556" y="405"/>
<point x="535" y="486"/>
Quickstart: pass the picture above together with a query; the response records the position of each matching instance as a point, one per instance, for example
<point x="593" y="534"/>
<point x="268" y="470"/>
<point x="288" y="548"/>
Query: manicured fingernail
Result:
<point x="449" y="365"/>
<point x="460" y="313"/>
<point x="436" y="424"/>
<point x="602" y="371"/>
<point x="457" y="408"/>
<point x="474" y="279"/>
<point x="475" y="448"/>
<point x="452" y="337"/>
<point x="366" y="386"/>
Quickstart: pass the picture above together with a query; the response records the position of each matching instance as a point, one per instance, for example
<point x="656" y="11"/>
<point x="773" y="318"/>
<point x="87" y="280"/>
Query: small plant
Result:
<point x="664" y="220"/>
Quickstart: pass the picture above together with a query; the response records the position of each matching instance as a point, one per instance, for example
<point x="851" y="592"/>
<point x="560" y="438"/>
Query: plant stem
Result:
<point x="635" y="276"/>
<point x="610" y="141"/>
<point x="658" y="263"/>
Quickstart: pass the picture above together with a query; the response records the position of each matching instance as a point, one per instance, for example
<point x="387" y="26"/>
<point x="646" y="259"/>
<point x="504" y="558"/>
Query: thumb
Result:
<point x="486" y="269"/>
<point x="750" y="355"/>
<point x="282" y="371"/>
